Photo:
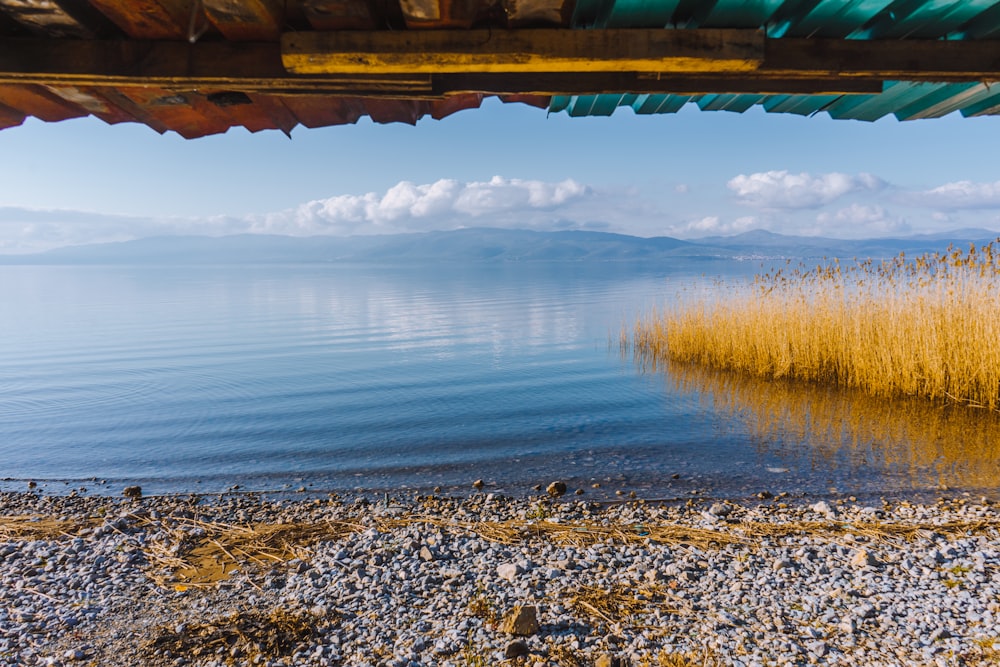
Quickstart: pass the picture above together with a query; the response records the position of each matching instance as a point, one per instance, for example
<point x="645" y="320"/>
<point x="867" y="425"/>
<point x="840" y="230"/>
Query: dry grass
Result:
<point x="196" y="553"/>
<point x="670" y="659"/>
<point x="200" y="553"/>
<point x="744" y="533"/>
<point x="38" y="528"/>
<point x="927" y="327"/>
<point x="577" y="533"/>
<point x="239" y="639"/>
<point x="193" y="553"/>
<point x="626" y="604"/>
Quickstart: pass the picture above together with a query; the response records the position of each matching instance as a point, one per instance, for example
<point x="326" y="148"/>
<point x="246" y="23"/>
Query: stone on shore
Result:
<point x="516" y="649"/>
<point x="521" y="621"/>
<point x="862" y="558"/>
<point x="556" y="489"/>
<point x="356" y="587"/>
<point x="509" y="571"/>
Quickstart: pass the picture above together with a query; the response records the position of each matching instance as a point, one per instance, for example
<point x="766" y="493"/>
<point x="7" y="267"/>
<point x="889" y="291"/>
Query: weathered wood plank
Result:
<point x="455" y="103"/>
<point x="44" y="17"/>
<point x="538" y="101"/>
<point x="396" y="111"/>
<point x="39" y="102"/>
<point x="540" y="50"/>
<point x="321" y="111"/>
<point x="246" y="20"/>
<point x="116" y="97"/>
<point x="246" y="66"/>
<point x="10" y="117"/>
<point x="187" y="114"/>
<point x="899" y="59"/>
<point x="339" y="14"/>
<point x="436" y="14"/>
<point x="590" y="83"/>
<point x="254" y="112"/>
<point x="93" y="102"/>
<point x="149" y="19"/>
<point x="419" y="11"/>
<point x="538" y="12"/>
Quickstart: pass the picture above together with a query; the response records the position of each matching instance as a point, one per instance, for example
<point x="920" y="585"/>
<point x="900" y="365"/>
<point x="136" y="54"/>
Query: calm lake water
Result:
<point x="194" y="379"/>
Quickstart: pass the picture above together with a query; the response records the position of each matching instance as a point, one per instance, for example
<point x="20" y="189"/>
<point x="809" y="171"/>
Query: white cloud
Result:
<point x="404" y="207"/>
<point x="860" y="220"/>
<point x="443" y="204"/>
<point x="775" y="190"/>
<point x="960" y="195"/>
<point x="713" y="225"/>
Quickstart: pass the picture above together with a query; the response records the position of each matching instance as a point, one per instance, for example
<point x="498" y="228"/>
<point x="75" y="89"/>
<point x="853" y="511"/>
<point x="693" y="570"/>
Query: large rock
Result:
<point x="863" y="558"/>
<point x="720" y="510"/>
<point x="521" y="621"/>
<point x="556" y="489"/>
<point x="516" y="649"/>
<point x="823" y="507"/>
<point x="509" y="571"/>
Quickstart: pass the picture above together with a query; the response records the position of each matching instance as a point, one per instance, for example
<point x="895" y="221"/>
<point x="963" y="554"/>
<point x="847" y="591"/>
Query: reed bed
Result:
<point x="927" y="326"/>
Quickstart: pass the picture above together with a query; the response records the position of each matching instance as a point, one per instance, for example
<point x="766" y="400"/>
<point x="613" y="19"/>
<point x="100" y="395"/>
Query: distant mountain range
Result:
<point x="488" y="245"/>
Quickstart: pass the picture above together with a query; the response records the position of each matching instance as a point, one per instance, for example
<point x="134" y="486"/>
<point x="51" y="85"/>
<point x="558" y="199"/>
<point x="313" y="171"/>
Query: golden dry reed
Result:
<point x="927" y="326"/>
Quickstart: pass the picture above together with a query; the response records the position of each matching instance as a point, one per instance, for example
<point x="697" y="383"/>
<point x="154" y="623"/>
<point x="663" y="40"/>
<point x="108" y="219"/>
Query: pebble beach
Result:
<point x="485" y="579"/>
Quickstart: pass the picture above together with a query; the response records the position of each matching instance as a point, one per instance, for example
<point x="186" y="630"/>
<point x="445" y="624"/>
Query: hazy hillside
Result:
<point x="484" y="245"/>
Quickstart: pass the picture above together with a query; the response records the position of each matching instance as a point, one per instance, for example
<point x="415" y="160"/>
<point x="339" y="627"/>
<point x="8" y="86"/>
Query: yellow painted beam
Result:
<point x="522" y="51"/>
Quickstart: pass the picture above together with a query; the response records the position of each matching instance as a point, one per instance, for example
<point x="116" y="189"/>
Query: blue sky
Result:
<point x="689" y="174"/>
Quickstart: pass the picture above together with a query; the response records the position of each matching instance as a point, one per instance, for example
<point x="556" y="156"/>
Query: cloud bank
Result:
<point x="825" y="204"/>
<point x="443" y="204"/>
<point x="961" y="195"/>
<point x="782" y="190"/>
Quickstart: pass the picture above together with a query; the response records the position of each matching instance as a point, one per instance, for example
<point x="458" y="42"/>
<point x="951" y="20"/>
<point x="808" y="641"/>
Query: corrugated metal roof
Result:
<point x="905" y="100"/>
<point x="164" y="105"/>
<point x="849" y="19"/>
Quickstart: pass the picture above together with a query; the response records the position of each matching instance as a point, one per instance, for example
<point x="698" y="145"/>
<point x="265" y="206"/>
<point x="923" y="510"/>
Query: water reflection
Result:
<point x="915" y="442"/>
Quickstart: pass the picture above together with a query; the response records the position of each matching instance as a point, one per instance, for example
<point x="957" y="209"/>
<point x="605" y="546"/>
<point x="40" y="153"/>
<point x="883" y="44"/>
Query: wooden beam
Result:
<point x="790" y="66"/>
<point x="149" y="19"/>
<point x="596" y="83"/>
<point x="895" y="59"/>
<point x="246" y="20"/>
<point x="245" y="66"/>
<point x="544" y="50"/>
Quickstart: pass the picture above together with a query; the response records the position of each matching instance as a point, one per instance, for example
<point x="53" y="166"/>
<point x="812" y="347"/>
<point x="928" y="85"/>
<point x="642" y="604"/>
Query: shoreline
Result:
<point x="429" y="580"/>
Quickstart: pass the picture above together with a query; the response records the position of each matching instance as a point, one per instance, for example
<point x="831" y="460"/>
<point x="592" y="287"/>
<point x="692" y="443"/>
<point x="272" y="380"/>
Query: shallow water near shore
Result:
<point x="195" y="379"/>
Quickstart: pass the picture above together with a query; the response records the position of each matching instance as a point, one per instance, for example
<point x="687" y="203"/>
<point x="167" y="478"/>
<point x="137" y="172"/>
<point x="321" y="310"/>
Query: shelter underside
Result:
<point x="199" y="67"/>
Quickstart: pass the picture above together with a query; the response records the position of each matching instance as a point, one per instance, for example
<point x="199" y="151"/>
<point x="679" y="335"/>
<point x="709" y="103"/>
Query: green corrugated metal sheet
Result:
<point x="834" y="18"/>
<point x="852" y="19"/>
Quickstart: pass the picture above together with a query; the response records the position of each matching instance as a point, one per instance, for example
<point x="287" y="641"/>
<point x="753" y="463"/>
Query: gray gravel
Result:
<point x="433" y="594"/>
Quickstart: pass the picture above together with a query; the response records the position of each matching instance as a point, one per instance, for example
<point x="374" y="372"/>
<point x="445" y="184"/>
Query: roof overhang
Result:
<point x="201" y="66"/>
